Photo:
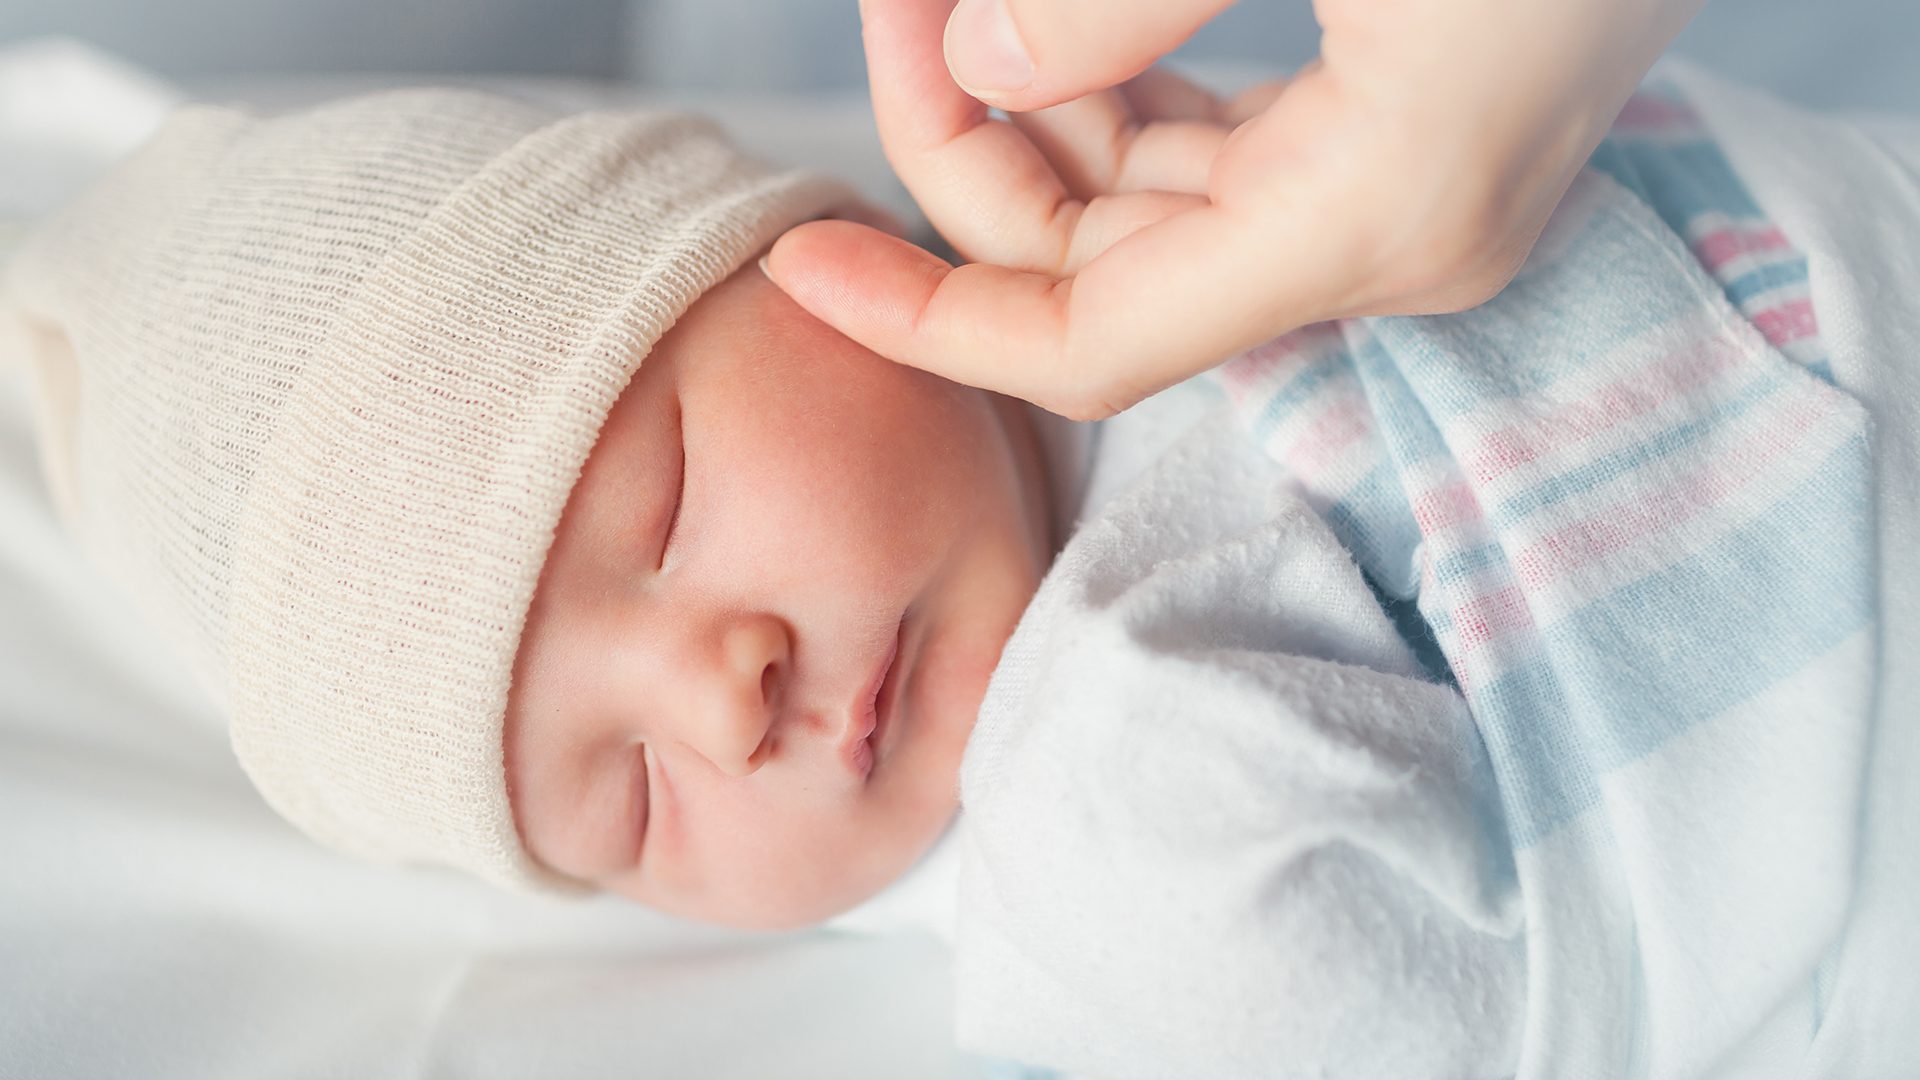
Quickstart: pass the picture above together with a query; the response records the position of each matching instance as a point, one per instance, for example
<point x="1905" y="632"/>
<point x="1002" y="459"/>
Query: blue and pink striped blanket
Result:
<point x="1624" y="508"/>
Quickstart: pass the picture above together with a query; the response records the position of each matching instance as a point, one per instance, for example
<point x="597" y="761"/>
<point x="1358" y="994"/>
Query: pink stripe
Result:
<point x="1344" y="423"/>
<point x="1260" y="364"/>
<point x="1720" y="247"/>
<point x="1250" y="369"/>
<point x="1444" y="507"/>
<point x="1630" y="524"/>
<point x="1788" y="322"/>
<point x="1672" y="376"/>
<point x="1482" y="619"/>
<point x="1245" y="373"/>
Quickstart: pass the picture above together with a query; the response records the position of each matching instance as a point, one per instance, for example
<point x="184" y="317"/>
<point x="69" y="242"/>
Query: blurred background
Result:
<point x="760" y="46"/>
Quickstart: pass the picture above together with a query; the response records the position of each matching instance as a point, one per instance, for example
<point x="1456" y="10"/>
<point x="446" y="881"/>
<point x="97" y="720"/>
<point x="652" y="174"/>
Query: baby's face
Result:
<point x="779" y="541"/>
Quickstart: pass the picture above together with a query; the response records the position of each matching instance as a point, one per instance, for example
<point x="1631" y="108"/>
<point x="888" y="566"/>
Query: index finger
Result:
<point x="1167" y="302"/>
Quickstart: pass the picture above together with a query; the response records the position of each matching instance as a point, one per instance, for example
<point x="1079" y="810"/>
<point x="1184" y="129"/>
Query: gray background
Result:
<point x="1858" y="53"/>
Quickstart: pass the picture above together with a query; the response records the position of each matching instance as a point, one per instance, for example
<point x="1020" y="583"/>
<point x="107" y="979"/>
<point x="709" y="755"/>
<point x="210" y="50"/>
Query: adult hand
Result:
<point x="1127" y="230"/>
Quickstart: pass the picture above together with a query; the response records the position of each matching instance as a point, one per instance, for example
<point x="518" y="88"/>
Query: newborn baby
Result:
<point x="768" y="617"/>
<point x="521" y="525"/>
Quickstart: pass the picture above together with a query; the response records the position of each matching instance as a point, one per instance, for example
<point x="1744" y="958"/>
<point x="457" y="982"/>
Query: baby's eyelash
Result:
<point x="679" y="491"/>
<point x="645" y="803"/>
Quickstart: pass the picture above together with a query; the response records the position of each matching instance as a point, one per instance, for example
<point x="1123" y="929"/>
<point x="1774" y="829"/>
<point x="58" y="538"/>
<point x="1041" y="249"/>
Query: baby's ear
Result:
<point x="866" y="213"/>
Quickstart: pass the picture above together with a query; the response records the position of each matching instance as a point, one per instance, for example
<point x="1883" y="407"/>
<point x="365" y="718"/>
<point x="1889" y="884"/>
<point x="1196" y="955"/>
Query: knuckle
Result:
<point x="1081" y="404"/>
<point x="1098" y="389"/>
<point x="1090" y="409"/>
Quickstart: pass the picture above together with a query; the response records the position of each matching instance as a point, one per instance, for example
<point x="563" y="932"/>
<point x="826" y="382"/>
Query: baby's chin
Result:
<point x="805" y="899"/>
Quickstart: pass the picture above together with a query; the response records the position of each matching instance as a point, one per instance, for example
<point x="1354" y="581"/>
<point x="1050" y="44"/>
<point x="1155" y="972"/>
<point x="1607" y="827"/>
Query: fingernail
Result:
<point x="762" y="263"/>
<point x="984" y="50"/>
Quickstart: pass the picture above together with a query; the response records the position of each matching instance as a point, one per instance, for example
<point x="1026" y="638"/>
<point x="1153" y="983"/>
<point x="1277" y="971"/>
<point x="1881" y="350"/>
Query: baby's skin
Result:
<point x="768" y="618"/>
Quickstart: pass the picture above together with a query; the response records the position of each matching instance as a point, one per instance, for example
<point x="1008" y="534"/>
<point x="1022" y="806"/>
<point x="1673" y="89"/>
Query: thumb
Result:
<point x="1029" y="54"/>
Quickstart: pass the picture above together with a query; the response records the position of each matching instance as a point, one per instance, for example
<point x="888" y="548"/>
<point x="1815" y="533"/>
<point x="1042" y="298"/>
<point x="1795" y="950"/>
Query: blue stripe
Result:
<point x="1546" y="773"/>
<point x="1402" y="418"/>
<point x="1765" y="279"/>
<point x="1460" y="362"/>
<point x="1652" y="659"/>
<point x="1680" y="180"/>
<point x="1300" y="390"/>
<point x="1467" y="562"/>
<point x="1587" y="475"/>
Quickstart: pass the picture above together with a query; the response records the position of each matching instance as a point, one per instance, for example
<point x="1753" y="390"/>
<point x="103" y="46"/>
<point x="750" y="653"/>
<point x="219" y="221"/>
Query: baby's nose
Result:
<point x="752" y="654"/>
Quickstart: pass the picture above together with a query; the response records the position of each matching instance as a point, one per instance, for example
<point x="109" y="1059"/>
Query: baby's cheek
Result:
<point x="949" y="467"/>
<point x="885" y="512"/>
<point x="812" y="866"/>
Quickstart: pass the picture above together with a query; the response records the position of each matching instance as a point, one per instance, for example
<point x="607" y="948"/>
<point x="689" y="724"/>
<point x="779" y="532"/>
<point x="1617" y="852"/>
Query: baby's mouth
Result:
<point x="861" y="747"/>
<point x="884" y="707"/>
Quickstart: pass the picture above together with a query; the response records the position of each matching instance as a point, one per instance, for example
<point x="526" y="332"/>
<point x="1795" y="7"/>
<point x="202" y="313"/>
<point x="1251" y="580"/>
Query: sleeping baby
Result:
<point x="1459" y="696"/>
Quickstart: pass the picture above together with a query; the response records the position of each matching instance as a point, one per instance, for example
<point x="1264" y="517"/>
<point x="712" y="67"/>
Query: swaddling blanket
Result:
<point x="1217" y="824"/>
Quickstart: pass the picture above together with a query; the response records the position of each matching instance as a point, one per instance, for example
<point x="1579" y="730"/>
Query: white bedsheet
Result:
<point x="157" y="920"/>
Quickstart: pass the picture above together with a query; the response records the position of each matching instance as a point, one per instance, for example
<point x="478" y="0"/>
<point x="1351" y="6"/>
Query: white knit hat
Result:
<point x="315" y="389"/>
